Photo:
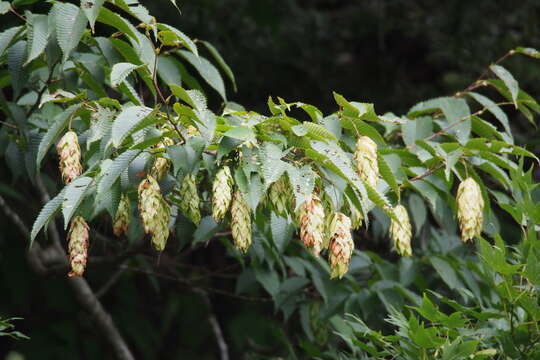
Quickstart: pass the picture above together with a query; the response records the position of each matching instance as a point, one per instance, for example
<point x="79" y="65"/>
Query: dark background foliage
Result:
<point x="391" y="53"/>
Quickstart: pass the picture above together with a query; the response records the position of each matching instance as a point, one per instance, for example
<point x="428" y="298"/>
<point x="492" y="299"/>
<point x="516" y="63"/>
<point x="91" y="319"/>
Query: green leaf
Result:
<point x="73" y="196"/>
<point x="5" y="7"/>
<point x="418" y="211"/>
<point x="15" y="59"/>
<point x="508" y="79"/>
<point x="494" y="256"/>
<point x="38" y="35"/>
<point x="168" y="69"/>
<point x="494" y="109"/>
<point x="110" y="18"/>
<point x="101" y="124"/>
<point x="417" y="129"/>
<point x="446" y="272"/>
<point x="188" y="43"/>
<point x="121" y="71"/>
<point x="302" y="181"/>
<point x="207" y="71"/>
<point x="46" y="214"/>
<point x="91" y="9"/>
<point x="7" y="37"/>
<point x="387" y="174"/>
<point x="221" y="62"/>
<point x="206" y="230"/>
<point x="271" y="166"/>
<point x="318" y="132"/>
<point x="194" y="98"/>
<point x="112" y="173"/>
<point x="70" y="25"/>
<point x="127" y="121"/>
<point x="241" y="133"/>
<point x="456" y="112"/>
<point x="268" y="279"/>
<point x="528" y="51"/>
<point x="58" y="125"/>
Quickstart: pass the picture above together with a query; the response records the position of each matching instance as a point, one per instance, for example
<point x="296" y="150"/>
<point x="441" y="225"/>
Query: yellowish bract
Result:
<point x="78" y="240"/>
<point x="401" y="232"/>
<point x="470" y="206"/>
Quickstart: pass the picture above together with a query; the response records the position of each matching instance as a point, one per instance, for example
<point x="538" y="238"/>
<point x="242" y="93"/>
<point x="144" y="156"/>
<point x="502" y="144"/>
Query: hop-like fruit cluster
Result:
<point x="312" y="224"/>
<point x="161" y="165"/>
<point x="192" y="131"/>
<point x="222" y="189"/>
<point x="365" y="158"/>
<point x="70" y="156"/>
<point x="470" y="206"/>
<point x="341" y="245"/>
<point x="78" y="237"/>
<point x="155" y="212"/>
<point x="240" y="222"/>
<point x="401" y="232"/>
<point x="121" y="219"/>
<point x="281" y="197"/>
<point x="188" y="200"/>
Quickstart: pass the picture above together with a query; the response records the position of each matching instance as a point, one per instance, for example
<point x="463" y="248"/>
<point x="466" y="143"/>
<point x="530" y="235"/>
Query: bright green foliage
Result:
<point x="123" y="82"/>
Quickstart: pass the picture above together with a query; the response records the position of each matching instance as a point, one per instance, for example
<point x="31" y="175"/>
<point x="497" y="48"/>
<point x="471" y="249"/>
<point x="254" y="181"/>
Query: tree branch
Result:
<point x="85" y="296"/>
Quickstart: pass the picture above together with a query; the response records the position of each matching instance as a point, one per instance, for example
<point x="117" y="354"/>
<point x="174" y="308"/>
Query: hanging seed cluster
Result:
<point x="240" y="222"/>
<point x="189" y="201"/>
<point x="281" y="197"/>
<point x="401" y="231"/>
<point x="311" y="219"/>
<point x="161" y="164"/>
<point x="365" y="159"/>
<point x="470" y="206"/>
<point x="222" y="189"/>
<point x="341" y="245"/>
<point x="78" y="240"/>
<point x="122" y="216"/>
<point x="154" y="211"/>
<point x="69" y="152"/>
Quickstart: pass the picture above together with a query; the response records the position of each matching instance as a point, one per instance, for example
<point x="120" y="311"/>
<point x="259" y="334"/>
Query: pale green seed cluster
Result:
<point x="341" y="245"/>
<point x="470" y="206"/>
<point x="365" y="159"/>
<point x="189" y="201"/>
<point x="311" y="219"/>
<point x="161" y="165"/>
<point x="78" y="241"/>
<point x="401" y="231"/>
<point x="122" y="216"/>
<point x="69" y="152"/>
<point x="240" y="222"/>
<point x="281" y="197"/>
<point x="222" y="189"/>
<point x="155" y="212"/>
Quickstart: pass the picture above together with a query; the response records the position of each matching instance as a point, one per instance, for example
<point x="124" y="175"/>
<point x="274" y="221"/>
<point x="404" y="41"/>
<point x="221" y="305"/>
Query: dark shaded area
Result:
<point x="392" y="53"/>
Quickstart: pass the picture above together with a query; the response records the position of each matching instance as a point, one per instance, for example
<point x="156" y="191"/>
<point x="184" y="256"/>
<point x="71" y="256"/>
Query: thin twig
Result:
<point x="427" y="173"/>
<point x="109" y="284"/>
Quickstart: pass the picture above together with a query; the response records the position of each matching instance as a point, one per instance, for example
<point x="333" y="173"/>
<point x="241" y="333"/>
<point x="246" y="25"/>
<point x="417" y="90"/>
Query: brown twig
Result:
<point x="427" y="173"/>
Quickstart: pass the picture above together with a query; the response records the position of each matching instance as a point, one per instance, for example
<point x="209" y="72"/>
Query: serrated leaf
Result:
<point x="70" y="24"/>
<point x="5" y="7"/>
<point x="386" y="173"/>
<point x="528" y="51"/>
<point x="417" y="129"/>
<point x="73" y="197"/>
<point x="119" y="164"/>
<point x="91" y="9"/>
<point x="188" y="43"/>
<point x="110" y="18"/>
<point x="58" y="125"/>
<point x="219" y="59"/>
<point x="494" y="109"/>
<point x="7" y="37"/>
<point x="318" y="132"/>
<point x="46" y="214"/>
<point x="168" y="69"/>
<point x="127" y="121"/>
<point x="243" y="133"/>
<point x="121" y="71"/>
<point x="15" y="59"/>
<point x="101" y="124"/>
<point x="38" y="35"/>
<point x="508" y="79"/>
<point x="302" y="181"/>
<point x="270" y="163"/>
<point x="207" y="71"/>
<point x="194" y="98"/>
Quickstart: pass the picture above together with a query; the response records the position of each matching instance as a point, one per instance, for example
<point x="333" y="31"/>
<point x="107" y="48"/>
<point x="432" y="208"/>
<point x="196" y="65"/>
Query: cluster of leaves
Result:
<point x="7" y="329"/>
<point x="124" y="89"/>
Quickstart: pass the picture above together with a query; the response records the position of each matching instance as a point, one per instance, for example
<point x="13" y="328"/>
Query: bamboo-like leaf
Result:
<point x="7" y="37"/>
<point x="207" y="71"/>
<point x="91" y="9"/>
<point x="387" y="174"/>
<point x="219" y="59"/>
<point x="188" y="43"/>
<point x="509" y="81"/>
<point x="318" y="132"/>
<point x="73" y="196"/>
<point x="37" y="33"/>
<point x="70" y="25"/>
<point x="46" y="214"/>
<point x="110" y="18"/>
<point x="121" y="71"/>
<point x="127" y="121"/>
